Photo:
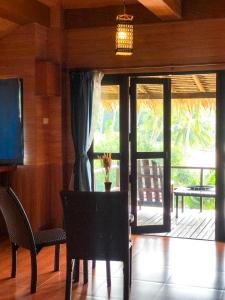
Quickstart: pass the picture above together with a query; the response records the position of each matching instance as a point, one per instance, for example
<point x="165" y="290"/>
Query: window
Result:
<point x="11" y="126"/>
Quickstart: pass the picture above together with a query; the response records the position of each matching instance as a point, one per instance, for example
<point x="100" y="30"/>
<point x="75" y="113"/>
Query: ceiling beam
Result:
<point x="105" y="16"/>
<point x="25" y="11"/>
<point x="164" y="9"/>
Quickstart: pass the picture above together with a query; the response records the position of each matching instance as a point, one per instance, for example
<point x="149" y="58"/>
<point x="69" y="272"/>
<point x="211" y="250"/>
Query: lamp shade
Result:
<point x="124" y="35"/>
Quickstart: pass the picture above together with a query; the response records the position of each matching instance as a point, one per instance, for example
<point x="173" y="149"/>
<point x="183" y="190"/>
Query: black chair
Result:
<point x="21" y="235"/>
<point x="97" y="228"/>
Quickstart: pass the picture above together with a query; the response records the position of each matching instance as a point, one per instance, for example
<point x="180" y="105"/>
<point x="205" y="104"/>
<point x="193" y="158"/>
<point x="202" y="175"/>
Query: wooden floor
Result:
<point x="191" y="224"/>
<point x="163" y="268"/>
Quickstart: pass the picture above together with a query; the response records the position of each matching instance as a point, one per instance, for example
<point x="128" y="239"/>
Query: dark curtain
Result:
<point x="11" y="129"/>
<point x="81" y="84"/>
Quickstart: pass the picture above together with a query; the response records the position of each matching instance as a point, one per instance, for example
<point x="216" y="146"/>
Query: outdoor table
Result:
<point x="187" y="191"/>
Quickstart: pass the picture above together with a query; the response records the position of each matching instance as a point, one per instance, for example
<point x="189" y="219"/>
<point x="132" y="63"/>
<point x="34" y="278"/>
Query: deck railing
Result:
<point x="200" y="169"/>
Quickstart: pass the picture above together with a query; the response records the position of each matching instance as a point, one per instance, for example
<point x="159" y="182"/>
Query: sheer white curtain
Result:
<point x="96" y="100"/>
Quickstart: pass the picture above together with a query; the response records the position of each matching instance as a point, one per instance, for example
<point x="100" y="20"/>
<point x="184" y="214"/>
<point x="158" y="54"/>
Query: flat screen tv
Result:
<point x="11" y="122"/>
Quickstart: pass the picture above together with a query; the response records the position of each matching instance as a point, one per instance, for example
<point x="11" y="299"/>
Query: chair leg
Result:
<point x="108" y="273"/>
<point x="57" y="254"/>
<point x="33" y="271"/>
<point x="14" y="249"/>
<point x="126" y="278"/>
<point x="130" y="265"/>
<point x="76" y="271"/>
<point x="85" y="271"/>
<point x="69" y="275"/>
<point x="93" y="264"/>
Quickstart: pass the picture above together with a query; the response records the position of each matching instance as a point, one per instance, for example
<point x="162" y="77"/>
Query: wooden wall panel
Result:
<point x="17" y="53"/>
<point x="47" y="78"/>
<point x="51" y="114"/>
<point x="39" y="180"/>
<point x="55" y="158"/>
<point x="41" y="42"/>
<point x="164" y="44"/>
<point x="68" y="147"/>
<point x="16" y="60"/>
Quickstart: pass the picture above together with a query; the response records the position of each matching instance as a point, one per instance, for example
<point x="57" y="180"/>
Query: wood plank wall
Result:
<point x="183" y="43"/>
<point x="39" y="180"/>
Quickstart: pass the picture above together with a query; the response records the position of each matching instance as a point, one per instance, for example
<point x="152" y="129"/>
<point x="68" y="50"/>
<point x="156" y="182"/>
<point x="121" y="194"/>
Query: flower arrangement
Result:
<point x="106" y="161"/>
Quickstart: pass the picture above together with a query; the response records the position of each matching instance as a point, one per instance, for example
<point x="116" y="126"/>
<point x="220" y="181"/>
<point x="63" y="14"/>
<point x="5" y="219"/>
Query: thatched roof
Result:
<point x="201" y="87"/>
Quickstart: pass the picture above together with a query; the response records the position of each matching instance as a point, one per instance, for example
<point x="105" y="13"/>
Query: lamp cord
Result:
<point x="124" y="7"/>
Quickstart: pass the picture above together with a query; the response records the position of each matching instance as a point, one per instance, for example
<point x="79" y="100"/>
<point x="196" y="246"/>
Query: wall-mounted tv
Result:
<point x="11" y="122"/>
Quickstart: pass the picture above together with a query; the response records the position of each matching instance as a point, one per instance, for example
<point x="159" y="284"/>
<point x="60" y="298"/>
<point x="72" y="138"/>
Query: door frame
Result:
<point x="220" y="158"/>
<point x="220" y="135"/>
<point x="165" y="154"/>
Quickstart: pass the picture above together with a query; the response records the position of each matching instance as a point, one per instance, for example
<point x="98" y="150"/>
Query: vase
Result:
<point x="108" y="186"/>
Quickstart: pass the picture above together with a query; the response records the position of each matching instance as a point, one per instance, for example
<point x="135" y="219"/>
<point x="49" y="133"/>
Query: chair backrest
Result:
<point x="149" y="183"/>
<point x="96" y="224"/>
<point x="18" y="226"/>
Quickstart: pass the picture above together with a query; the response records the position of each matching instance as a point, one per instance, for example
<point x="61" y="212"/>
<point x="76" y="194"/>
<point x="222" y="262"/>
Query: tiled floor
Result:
<point x="163" y="268"/>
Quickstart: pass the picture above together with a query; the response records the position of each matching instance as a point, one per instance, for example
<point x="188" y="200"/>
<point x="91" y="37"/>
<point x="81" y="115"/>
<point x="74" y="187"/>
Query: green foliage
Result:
<point x="192" y="129"/>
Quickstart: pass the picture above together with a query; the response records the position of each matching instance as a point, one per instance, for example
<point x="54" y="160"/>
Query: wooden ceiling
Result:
<point x="77" y="4"/>
<point x="94" y="13"/>
<point x="6" y="26"/>
<point x="38" y="11"/>
<point x="164" y="9"/>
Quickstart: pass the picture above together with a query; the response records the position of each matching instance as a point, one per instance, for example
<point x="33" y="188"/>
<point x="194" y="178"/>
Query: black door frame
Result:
<point x="165" y="154"/>
<point x="220" y="158"/>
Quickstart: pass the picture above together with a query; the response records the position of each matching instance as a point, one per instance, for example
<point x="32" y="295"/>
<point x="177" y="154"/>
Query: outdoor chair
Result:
<point x="97" y="228"/>
<point x="150" y="184"/>
<point x="21" y="234"/>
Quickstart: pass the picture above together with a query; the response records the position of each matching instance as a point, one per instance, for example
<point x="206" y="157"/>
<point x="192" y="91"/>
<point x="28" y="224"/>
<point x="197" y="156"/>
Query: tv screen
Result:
<point x="11" y="122"/>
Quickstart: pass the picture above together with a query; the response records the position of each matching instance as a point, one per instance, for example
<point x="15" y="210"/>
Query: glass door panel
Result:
<point x="150" y="123"/>
<point x="107" y="136"/>
<point x="107" y="121"/>
<point x="150" y="191"/>
<point x="111" y="133"/>
<point x="150" y="154"/>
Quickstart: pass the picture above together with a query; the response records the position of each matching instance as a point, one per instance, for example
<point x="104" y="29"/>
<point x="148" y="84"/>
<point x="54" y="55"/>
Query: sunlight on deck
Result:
<point x="191" y="224"/>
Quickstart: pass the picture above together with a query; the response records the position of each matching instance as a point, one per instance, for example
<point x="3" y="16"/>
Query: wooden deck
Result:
<point x="191" y="224"/>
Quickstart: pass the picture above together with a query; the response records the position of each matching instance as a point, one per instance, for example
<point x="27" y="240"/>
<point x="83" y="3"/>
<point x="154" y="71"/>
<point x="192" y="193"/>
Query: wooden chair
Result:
<point x="97" y="228"/>
<point x="21" y="234"/>
<point x="150" y="184"/>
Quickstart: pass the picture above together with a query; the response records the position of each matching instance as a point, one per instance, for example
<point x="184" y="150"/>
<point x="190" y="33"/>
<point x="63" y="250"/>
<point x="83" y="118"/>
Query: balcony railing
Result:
<point x="201" y="172"/>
